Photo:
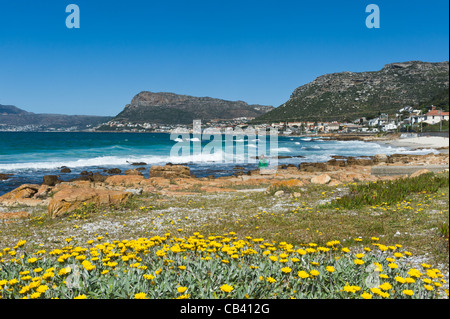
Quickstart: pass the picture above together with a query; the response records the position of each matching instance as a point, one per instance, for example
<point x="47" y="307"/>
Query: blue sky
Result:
<point x="255" y="51"/>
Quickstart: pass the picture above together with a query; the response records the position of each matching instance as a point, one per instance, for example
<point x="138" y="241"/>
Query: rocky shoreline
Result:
<point x="61" y="197"/>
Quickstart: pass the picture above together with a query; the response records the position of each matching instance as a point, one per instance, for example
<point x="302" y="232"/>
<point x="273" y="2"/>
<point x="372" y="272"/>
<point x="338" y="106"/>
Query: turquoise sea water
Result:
<point x="30" y="155"/>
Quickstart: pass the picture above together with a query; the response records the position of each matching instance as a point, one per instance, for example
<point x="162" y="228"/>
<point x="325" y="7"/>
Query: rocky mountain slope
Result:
<point x="171" y="108"/>
<point x="14" y="118"/>
<point x="349" y="95"/>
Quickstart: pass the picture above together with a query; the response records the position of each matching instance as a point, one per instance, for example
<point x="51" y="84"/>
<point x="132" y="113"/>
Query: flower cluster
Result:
<point x="213" y="266"/>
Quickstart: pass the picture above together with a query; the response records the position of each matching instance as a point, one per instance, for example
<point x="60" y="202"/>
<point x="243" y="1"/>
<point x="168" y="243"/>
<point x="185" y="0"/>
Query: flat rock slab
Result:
<point x="405" y="170"/>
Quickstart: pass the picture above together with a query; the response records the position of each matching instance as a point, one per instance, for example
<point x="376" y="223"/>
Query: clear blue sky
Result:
<point x="255" y="51"/>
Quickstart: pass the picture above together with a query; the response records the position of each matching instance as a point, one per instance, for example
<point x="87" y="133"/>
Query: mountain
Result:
<point x="16" y="119"/>
<point x="11" y="110"/>
<point x="351" y="95"/>
<point x="171" y="108"/>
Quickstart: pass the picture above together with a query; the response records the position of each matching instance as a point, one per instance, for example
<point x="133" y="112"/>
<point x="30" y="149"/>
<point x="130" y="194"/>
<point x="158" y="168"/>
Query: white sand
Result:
<point x="420" y="142"/>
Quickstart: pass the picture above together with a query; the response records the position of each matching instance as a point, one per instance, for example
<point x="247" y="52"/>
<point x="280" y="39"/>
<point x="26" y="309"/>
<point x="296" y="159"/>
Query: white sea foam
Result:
<point x="349" y="148"/>
<point x="283" y="149"/>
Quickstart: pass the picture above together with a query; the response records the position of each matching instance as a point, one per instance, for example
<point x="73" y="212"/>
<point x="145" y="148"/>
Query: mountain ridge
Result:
<point x="15" y="118"/>
<point x="172" y="108"/>
<point x="342" y="95"/>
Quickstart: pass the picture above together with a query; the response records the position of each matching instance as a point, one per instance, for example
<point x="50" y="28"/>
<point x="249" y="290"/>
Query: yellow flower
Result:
<point x="181" y="289"/>
<point x="379" y="267"/>
<point x="330" y="269"/>
<point x="42" y="288"/>
<point x="286" y="270"/>
<point x="303" y="274"/>
<point x="393" y="265"/>
<point x="408" y="292"/>
<point x="351" y="289"/>
<point x="149" y="277"/>
<point x="140" y="295"/>
<point x="182" y="267"/>
<point x="358" y="261"/>
<point x="83" y="296"/>
<point x="379" y="292"/>
<point x="314" y="272"/>
<point x="428" y="287"/>
<point x="386" y="286"/>
<point x="400" y="279"/>
<point x="226" y="288"/>
<point x="431" y="273"/>
<point x="271" y="280"/>
<point x="11" y="282"/>
<point x="32" y="260"/>
<point x="21" y="243"/>
<point x="414" y="273"/>
<point x="35" y="295"/>
<point x="366" y="295"/>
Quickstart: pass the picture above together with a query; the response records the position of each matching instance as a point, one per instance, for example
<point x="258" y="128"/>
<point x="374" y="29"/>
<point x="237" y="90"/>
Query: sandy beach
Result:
<point x="435" y="142"/>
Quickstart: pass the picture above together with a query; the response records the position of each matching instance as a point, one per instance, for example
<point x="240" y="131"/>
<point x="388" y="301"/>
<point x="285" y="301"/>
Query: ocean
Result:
<point x="31" y="155"/>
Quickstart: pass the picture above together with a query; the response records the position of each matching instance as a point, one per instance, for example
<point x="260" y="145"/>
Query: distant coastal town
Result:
<point x="406" y="119"/>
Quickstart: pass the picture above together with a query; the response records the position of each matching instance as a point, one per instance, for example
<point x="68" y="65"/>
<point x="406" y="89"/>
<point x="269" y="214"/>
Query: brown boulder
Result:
<point x="22" y="195"/>
<point x="124" y="180"/>
<point x="139" y="164"/>
<point x="313" y="167"/>
<point x="113" y="171"/>
<point x="43" y="191"/>
<point x="170" y="171"/>
<point x="51" y="180"/>
<point x="4" y="177"/>
<point x="381" y="158"/>
<point x="363" y="161"/>
<point x="71" y="198"/>
<point x="337" y="162"/>
<point x="321" y="179"/>
<point x="133" y="172"/>
<point x="23" y="191"/>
